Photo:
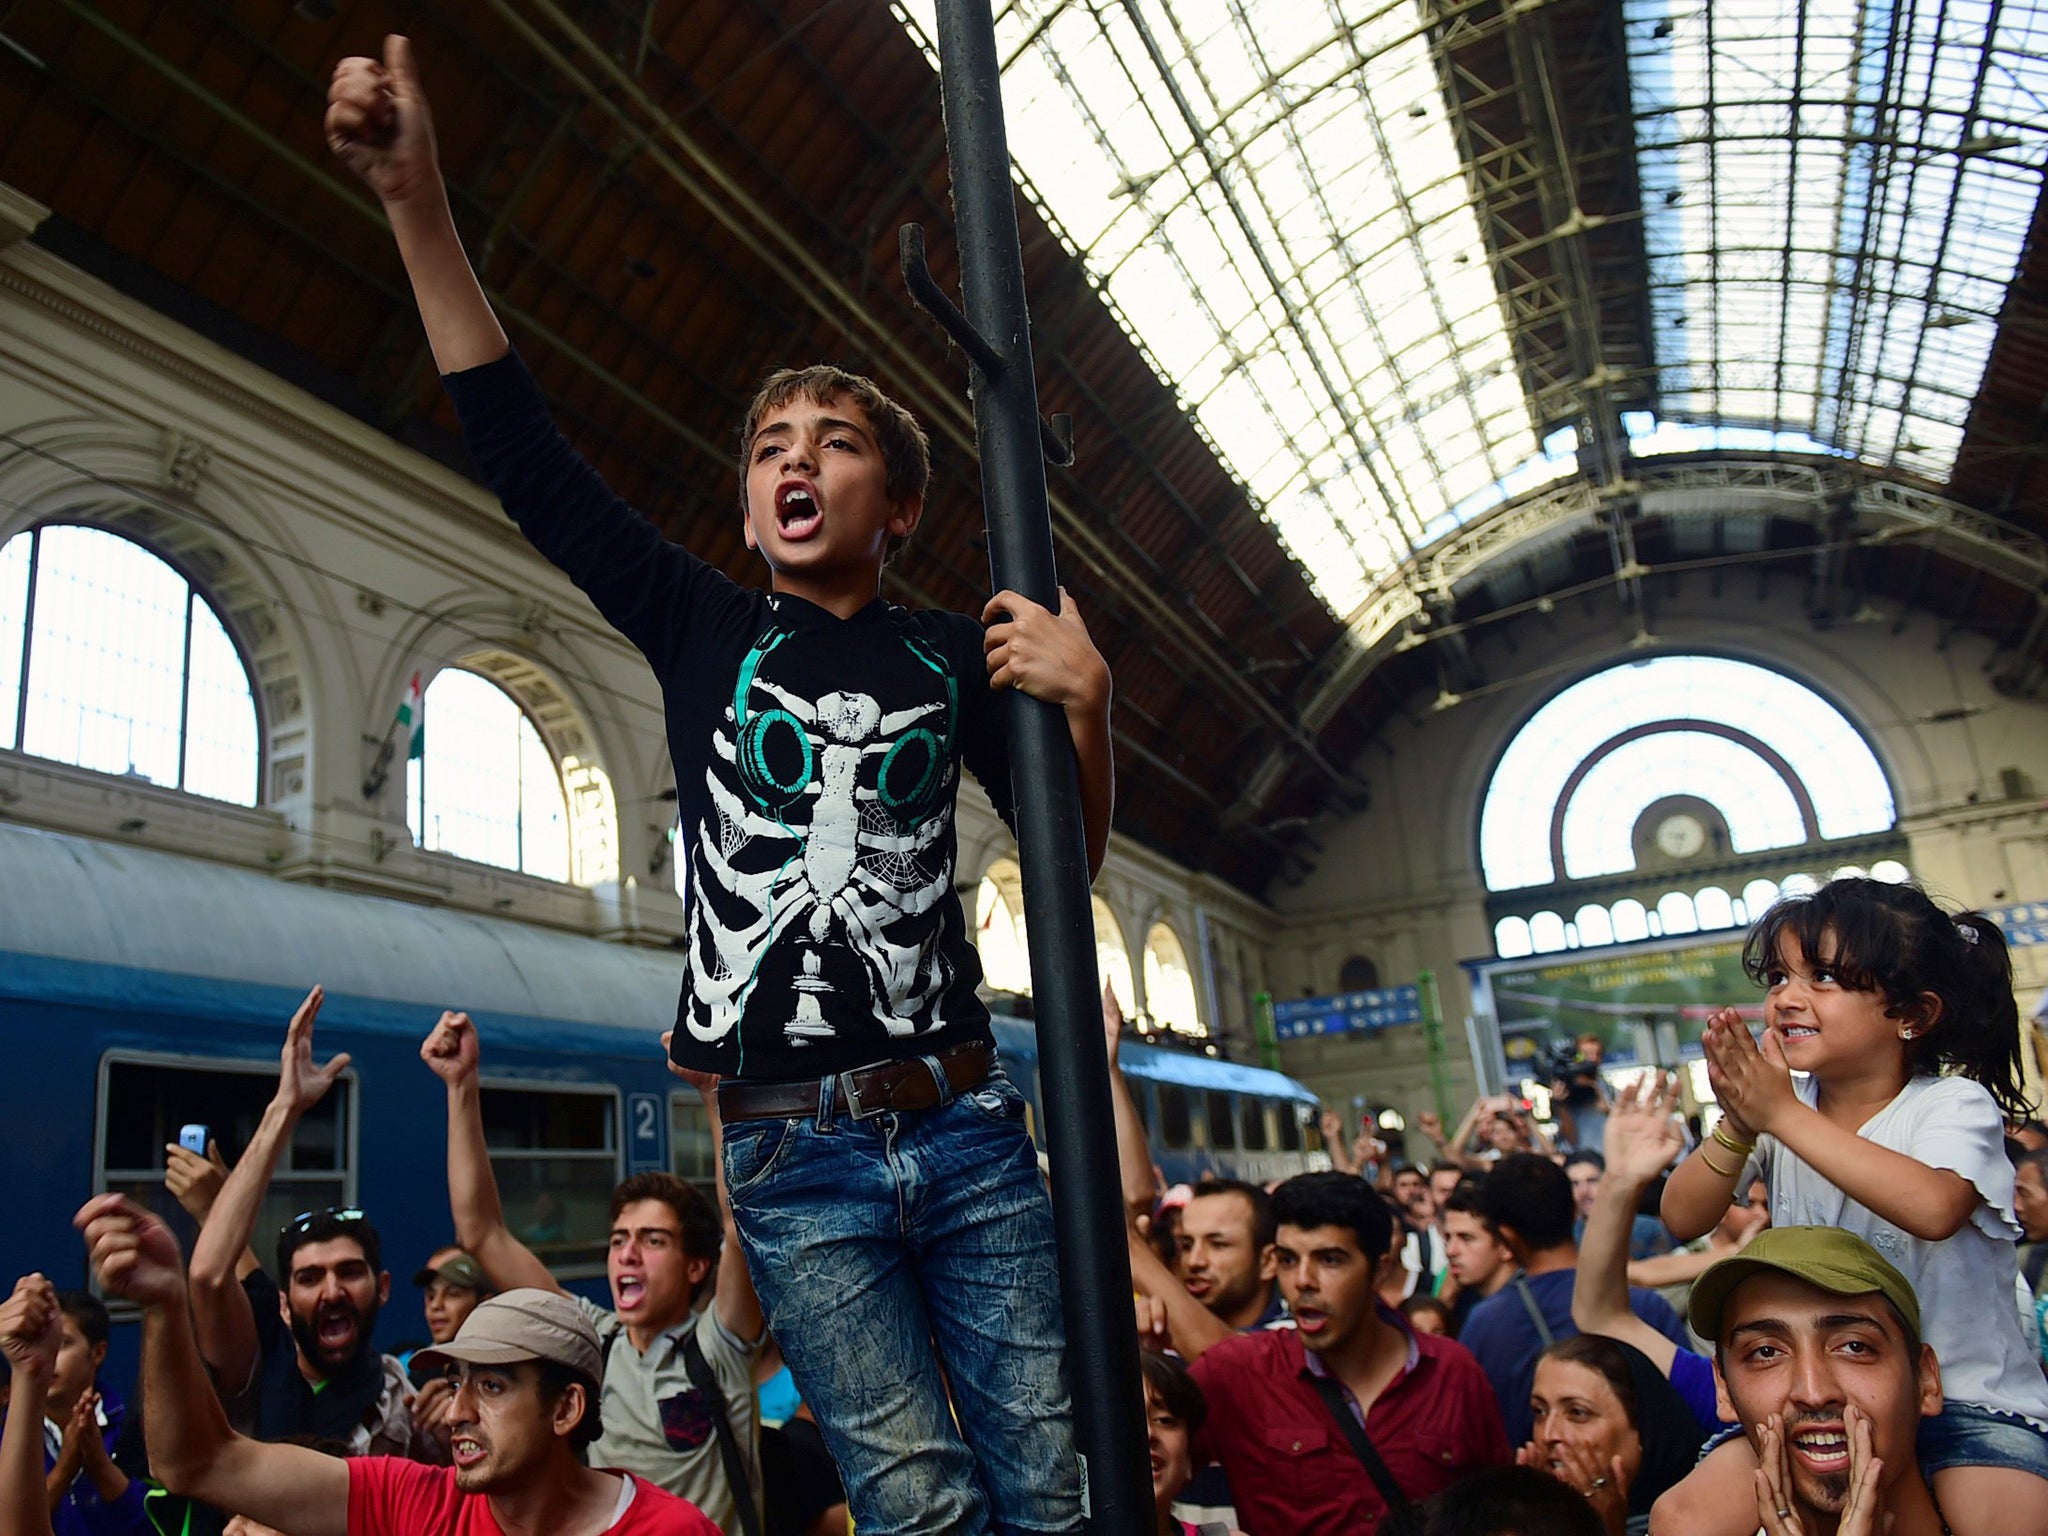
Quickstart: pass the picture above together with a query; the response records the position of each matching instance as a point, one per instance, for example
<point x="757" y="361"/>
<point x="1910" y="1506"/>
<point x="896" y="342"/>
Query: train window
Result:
<point x="555" y="1152"/>
<point x="1175" y="1129"/>
<point x="1222" y="1133"/>
<point x="1289" y="1116"/>
<point x="1311" y="1128"/>
<point x="1251" y="1124"/>
<point x="145" y="1102"/>
<point x="692" y="1151"/>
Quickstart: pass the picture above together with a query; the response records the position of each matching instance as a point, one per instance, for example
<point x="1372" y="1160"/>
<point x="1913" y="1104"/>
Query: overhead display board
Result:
<point x="1647" y="1002"/>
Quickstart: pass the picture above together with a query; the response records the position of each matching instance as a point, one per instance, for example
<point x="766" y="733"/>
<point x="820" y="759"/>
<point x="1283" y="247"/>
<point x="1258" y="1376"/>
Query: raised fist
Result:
<point x="378" y="124"/>
<point x="134" y="1253"/>
<point x="30" y="1329"/>
<point x="452" y="1050"/>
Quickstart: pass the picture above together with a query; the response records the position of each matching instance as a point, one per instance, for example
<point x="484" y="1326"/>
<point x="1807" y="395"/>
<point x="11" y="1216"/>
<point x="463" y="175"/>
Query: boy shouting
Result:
<point x="875" y="1155"/>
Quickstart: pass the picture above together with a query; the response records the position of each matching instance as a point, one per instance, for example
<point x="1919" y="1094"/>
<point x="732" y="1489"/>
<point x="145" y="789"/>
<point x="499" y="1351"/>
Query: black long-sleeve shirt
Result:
<point x="817" y="762"/>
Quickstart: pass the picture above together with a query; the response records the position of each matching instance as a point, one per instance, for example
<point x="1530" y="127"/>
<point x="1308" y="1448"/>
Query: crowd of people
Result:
<point x="1811" y="1318"/>
<point x="1477" y="1346"/>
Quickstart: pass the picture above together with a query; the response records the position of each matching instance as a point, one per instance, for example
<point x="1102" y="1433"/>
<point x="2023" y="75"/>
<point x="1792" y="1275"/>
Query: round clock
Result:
<point x="1680" y="836"/>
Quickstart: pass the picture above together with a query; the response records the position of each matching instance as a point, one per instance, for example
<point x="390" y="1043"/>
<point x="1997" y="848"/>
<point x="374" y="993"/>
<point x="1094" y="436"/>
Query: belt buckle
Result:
<point x="854" y="1106"/>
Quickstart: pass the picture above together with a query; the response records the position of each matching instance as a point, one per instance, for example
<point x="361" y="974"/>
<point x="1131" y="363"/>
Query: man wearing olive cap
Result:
<point x="526" y="1368"/>
<point x="1817" y="1353"/>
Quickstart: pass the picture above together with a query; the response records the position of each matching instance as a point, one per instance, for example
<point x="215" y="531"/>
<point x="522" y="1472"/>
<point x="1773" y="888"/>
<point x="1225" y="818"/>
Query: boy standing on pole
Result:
<point x="880" y="1175"/>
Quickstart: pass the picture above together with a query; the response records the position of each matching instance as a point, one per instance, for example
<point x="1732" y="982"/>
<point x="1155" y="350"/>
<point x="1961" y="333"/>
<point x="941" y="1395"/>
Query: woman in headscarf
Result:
<point x="1609" y="1424"/>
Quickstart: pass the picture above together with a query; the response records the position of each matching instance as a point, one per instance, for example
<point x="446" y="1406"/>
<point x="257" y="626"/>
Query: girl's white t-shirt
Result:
<point x="1964" y="1281"/>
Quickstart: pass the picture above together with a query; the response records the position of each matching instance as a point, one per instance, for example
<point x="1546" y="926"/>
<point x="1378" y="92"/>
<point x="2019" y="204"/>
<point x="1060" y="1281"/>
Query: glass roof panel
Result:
<point x="1836" y="195"/>
<point x="1271" y="196"/>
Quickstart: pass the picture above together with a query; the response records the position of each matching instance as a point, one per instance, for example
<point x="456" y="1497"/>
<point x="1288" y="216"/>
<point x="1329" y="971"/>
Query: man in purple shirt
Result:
<point x="1421" y="1401"/>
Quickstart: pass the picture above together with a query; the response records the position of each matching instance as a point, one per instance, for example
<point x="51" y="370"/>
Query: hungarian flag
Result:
<point x="409" y="720"/>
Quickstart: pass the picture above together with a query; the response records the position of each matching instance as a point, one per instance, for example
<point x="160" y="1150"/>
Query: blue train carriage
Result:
<point x="142" y="992"/>
<point x="1202" y="1115"/>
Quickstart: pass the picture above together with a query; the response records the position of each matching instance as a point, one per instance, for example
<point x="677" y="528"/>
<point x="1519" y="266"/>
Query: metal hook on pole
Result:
<point x="1055" y="432"/>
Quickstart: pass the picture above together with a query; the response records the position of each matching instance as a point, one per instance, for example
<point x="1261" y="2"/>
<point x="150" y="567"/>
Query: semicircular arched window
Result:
<point x="1570" y="796"/>
<point x="486" y="787"/>
<point x="111" y="660"/>
<point x="999" y="934"/>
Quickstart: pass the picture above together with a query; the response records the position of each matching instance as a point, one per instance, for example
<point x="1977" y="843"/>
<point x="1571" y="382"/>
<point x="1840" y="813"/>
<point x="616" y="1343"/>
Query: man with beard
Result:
<point x="526" y="1368"/>
<point x="1273" y="1395"/>
<point x="679" y="1376"/>
<point x="1817" y="1352"/>
<point x="1226" y="1254"/>
<point x="293" y="1355"/>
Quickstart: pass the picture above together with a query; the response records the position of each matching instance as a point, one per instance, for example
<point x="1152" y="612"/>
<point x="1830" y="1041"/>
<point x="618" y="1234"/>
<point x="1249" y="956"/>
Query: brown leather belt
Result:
<point x="864" y="1092"/>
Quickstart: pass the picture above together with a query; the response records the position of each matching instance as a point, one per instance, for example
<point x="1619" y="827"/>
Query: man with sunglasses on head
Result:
<point x="292" y="1355"/>
<point x="525" y="1371"/>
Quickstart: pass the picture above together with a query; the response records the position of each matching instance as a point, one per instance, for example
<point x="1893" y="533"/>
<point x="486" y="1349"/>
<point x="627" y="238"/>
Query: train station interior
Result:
<point x="1547" y="478"/>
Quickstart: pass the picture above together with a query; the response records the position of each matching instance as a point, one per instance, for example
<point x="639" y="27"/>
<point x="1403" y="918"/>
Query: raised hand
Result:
<point x="1751" y="1081"/>
<point x="452" y="1050"/>
<point x="300" y="1084"/>
<point x="1154" y="1331"/>
<point x="31" y="1331"/>
<point x="378" y="124"/>
<point x="1431" y="1124"/>
<point x="1642" y="1138"/>
<point x="134" y="1252"/>
<point x="82" y="1428"/>
<point x="432" y="1411"/>
<point x="195" y="1181"/>
<point x="1112" y="1022"/>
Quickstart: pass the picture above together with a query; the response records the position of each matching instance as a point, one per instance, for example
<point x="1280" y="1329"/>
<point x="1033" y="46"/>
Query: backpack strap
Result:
<point x="1536" y="1318"/>
<point x="1362" y="1447"/>
<point x="705" y="1380"/>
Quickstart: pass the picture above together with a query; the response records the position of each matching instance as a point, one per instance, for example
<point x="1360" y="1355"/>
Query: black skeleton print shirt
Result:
<point x="817" y="761"/>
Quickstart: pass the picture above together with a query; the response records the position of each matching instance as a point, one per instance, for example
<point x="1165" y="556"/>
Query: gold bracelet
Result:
<point x="1726" y="1173"/>
<point x="1739" y="1148"/>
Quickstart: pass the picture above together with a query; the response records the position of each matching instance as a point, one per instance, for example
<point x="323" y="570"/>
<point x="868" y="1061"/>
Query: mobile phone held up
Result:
<point x="193" y="1138"/>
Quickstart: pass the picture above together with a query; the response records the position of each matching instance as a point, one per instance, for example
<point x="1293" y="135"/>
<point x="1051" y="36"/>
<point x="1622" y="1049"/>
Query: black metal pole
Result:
<point x="1095" y="1271"/>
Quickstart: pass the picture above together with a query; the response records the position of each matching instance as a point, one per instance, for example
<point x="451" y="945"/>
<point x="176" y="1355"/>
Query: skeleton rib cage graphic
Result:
<point x="830" y="818"/>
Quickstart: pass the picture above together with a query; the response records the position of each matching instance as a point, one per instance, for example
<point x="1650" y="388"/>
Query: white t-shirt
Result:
<point x="1963" y="1281"/>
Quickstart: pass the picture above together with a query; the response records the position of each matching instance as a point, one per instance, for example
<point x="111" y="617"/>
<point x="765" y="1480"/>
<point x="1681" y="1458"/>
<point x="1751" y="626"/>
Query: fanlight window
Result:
<point x="1113" y="957"/>
<point x="486" y="787"/>
<point x="999" y="929"/>
<point x="111" y="660"/>
<point x="1170" y="984"/>
<point x="1570" y="789"/>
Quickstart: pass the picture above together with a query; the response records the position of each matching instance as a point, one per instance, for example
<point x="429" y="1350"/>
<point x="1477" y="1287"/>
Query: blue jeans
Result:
<point x="898" y="1257"/>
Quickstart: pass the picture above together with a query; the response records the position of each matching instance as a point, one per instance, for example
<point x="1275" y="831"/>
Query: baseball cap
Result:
<point x="1836" y="1261"/>
<point x="458" y="1269"/>
<point x="526" y="1324"/>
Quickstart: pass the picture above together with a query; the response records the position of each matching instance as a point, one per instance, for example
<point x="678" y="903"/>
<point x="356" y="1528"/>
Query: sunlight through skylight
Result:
<point x="1836" y="197"/>
<point x="1272" y="198"/>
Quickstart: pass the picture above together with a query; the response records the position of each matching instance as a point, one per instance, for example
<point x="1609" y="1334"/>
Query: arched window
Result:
<point x="112" y="660"/>
<point x="486" y="787"/>
<point x="1569" y="793"/>
<point x="1113" y="957"/>
<point x="1358" y="974"/>
<point x="1170" y="984"/>
<point x="999" y="929"/>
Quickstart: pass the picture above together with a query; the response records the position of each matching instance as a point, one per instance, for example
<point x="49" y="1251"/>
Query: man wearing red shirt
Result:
<point x="521" y="1420"/>
<point x="1423" y="1401"/>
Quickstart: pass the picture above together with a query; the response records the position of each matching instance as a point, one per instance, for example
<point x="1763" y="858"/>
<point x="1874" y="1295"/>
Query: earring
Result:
<point x="1905" y="1031"/>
